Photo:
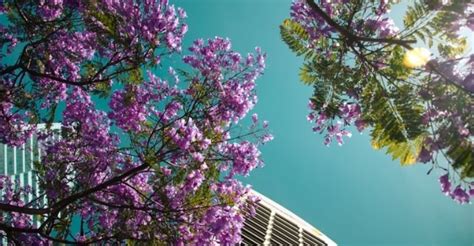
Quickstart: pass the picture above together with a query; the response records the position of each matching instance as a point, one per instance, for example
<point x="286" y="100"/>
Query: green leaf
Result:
<point x="453" y="47"/>
<point x="308" y="75"/>
<point x="463" y="157"/>
<point x="415" y="12"/>
<point x="407" y="152"/>
<point x="296" y="37"/>
<point x="396" y="119"/>
<point x="102" y="89"/>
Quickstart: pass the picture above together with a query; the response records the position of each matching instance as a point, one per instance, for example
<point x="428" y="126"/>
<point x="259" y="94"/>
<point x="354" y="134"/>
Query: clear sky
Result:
<point x="353" y="194"/>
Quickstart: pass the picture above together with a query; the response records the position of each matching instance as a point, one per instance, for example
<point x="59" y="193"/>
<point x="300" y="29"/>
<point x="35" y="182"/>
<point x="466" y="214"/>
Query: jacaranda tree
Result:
<point x="146" y="153"/>
<point x="367" y="72"/>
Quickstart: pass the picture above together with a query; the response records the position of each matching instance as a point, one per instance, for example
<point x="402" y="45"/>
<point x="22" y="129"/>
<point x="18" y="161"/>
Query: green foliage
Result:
<point x="330" y="80"/>
<point x="430" y="27"/>
<point x="396" y="120"/>
<point x="108" y="20"/>
<point x="416" y="105"/>
<point x="307" y="74"/>
<point x="102" y="89"/>
<point x="296" y="37"/>
<point x="131" y="75"/>
<point x="392" y="109"/>
<point x="463" y="158"/>
<point x="416" y="14"/>
<point x="453" y="47"/>
<point x="407" y="152"/>
<point x="396" y="69"/>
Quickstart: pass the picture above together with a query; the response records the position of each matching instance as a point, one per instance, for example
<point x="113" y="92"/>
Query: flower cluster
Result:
<point x="348" y="113"/>
<point x="221" y="225"/>
<point x="85" y="152"/>
<point x="216" y="62"/>
<point x="13" y="129"/>
<point x="89" y="44"/>
<point x="384" y="26"/>
<point x="459" y="194"/>
<point x="185" y="133"/>
<point x="50" y="10"/>
<point x="244" y="157"/>
<point x="132" y="105"/>
<point x="377" y="22"/>
<point x="153" y="164"/>
<point x="155" y="21"/>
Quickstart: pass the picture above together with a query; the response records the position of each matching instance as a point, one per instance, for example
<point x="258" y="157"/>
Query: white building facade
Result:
<point x="276" y="225"/>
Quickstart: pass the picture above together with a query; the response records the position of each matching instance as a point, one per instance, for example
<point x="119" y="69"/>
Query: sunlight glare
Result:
<point x="416" y="57"/>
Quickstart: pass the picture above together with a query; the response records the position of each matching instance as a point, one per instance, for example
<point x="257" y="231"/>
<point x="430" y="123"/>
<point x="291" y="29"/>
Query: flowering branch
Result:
<point x="353" y="37"/>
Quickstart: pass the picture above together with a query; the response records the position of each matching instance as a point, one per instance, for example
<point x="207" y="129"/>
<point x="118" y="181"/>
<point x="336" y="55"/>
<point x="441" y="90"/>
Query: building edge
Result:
<point x="287" y="214"/>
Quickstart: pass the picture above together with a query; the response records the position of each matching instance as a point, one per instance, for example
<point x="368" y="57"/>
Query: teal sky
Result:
<point x="353" y="194"/>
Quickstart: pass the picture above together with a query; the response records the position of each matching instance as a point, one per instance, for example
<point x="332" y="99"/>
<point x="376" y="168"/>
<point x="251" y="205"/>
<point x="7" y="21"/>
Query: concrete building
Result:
<point x="18" y="162"/>
<point x="276" y="225"/>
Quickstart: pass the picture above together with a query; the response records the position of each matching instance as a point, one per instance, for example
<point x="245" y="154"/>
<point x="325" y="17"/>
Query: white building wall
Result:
<point x="275" y="225"/>
<point x="18" y="164"/>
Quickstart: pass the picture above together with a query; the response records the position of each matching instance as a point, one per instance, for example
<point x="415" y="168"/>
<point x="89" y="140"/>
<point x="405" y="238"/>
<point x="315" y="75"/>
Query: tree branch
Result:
<point x="351" y="36"/>
<point x="354" y="38"/>
<point x="432" y="66"/>
<point x="64" y="202"/>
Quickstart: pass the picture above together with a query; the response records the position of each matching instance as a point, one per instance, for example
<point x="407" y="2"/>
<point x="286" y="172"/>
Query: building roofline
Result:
<point x="293" y="217"/>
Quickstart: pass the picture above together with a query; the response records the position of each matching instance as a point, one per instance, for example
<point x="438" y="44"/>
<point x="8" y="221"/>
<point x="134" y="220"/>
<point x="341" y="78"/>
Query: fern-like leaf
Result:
<point x="296" y="37"/>
<point x="395" y="117"/>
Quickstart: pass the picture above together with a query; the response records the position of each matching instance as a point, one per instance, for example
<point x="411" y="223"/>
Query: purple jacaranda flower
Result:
<point x="255" y="118"/>
<point x="425" y="155"/>
<point x="445" y="184"/>
<point x="460" y="195"/>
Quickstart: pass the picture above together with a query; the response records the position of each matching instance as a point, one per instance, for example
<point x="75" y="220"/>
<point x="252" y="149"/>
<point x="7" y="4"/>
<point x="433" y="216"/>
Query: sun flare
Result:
<point x="416" y="57"/>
